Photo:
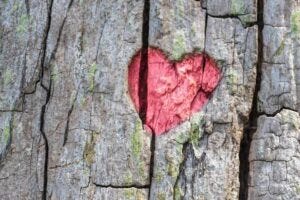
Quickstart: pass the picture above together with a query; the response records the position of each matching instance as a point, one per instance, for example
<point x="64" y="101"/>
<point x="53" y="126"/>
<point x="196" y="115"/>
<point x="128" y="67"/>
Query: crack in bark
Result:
<point x="205" y="28"/>
<point x="12" y="110"/>
<point x="181" y="168"/>
<point x="53" y="53"/>
<point x="276" y="112"/>
<point x="251" y="128"/>
<point x="66" y="133"/>
<point x="27" y="7"/>
<point x="43" y="109"/>
<point x="187" y="146"/>
<point x="123" y="186"/>
<point x="198" y="166"/>
<point x="45" y="65"/>
<point x="230" y="16"/>
<point x="143" y="73"/>
<point x="151" y="169"/>
<point x="143" y="89"/>
<point x="42" y="125"/>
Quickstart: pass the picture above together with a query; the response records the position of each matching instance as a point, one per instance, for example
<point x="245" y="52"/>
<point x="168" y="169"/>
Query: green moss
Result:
<point x="129" y="193"/>
<point x="136" y="145"/>
<point x="23" y="24"/>
<point x="16" y="6"/>
<point x="161" y="196"/>
<point x="54" y="73"/>
<point x="178" y="194"/>
<point x="1" y="37"/>
<point x="142" y="169"/>
<point x="298" y="189"/>
<point x="247" y="19"/>
<point x="194" y="134"/>
<point x="280" y="49"/>
<point x="6" y="133"/>
<point x="232" y="77"/>
<point x="290" y="118"/>
<point x="172" y="169"/>
<point x="295" y="23"/>
<point x="8" y="77"/>
<point x="82" y="100"/>
<point x="128" y="178"/>
<point x="237" y="7"/>
<point x="232" y="81"/>
<point x="181" y="138"/>
<point x="89" y="153"/>
<point x="73" y="97"/>
<point x="89" y="150"/>
<point x="196" y="131"/>
<point x="178" y="148"/>
<point x="159" y="176"/>
<point x="179" y="45"/>
<point x="177" y="14"/>
<point x="136" y="140"/>
<point x="86" y="171"/>
<point x="180" y="5"/>
<point x="140" y="195"/>
<point x="91" y="76"/>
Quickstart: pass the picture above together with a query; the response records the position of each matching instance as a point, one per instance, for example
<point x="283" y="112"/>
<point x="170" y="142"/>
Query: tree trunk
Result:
<point x="71" y="128"/>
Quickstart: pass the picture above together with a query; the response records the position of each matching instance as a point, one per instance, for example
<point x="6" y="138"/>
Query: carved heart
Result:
<point x="166" y="93"/>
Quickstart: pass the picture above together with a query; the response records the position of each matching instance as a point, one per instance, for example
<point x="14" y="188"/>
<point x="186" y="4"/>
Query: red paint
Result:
<point x="175" y="90"/>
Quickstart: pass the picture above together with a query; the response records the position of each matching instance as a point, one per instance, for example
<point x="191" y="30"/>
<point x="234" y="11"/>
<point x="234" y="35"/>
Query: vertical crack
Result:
<point x="190" y="169"/>
<point x="205" y="28"/>
<point x="185" y="147"/>
<point x="42" y="122"/>
<point x="66" y="133"/>
<point x="48" y="90"/>
<point x="252" y="124"/>
<point x="151" y="169"/>
<point x="143" y="73"/>
<point x="27" y="7"/>
<point x="143" y="84"/>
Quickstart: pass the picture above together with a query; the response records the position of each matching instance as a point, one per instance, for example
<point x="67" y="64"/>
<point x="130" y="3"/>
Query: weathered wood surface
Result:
<point x="69" y="130"/>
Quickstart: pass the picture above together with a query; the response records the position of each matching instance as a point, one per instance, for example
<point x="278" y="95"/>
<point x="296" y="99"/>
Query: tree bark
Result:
<point x="69" y="128"/>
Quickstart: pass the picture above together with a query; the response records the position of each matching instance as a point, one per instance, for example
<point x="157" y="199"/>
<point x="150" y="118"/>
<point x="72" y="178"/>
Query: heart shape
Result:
<point x="166" y="93"/>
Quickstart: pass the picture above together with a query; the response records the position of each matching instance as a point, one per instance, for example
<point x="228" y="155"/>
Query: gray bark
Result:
<point x="69" y="130"/>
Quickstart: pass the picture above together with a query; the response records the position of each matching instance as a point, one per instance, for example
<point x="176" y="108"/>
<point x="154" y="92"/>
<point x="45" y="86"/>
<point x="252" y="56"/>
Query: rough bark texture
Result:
<point x="69" y="129"/>
<point x="275" y="153"/>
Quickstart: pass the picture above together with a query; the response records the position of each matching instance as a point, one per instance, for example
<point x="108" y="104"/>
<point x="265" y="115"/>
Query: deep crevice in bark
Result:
<point x="205" y="28"/>
<point x="250" y="129"/>
<point x="143" y="73"/>
<point x="43" y="109"/>
<point x="42" y="123"/>
<point x="143" y="87"/>
<point x="151" y="169"/>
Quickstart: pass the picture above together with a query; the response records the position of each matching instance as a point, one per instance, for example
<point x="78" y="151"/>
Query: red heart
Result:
<point x="173" y="91"/>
